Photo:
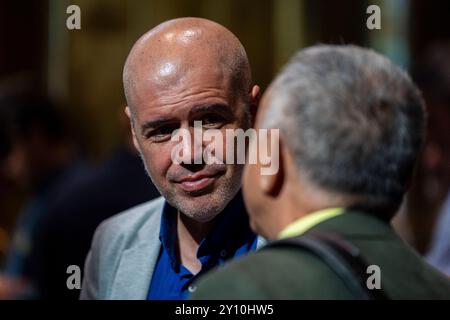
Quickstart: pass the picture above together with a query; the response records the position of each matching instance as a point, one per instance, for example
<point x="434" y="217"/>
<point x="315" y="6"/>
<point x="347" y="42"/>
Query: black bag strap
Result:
<point x="342" y="256"/>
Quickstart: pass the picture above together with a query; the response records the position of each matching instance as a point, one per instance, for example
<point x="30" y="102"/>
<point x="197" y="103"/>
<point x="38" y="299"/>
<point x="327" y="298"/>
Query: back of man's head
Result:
<point x="354" y="123"/>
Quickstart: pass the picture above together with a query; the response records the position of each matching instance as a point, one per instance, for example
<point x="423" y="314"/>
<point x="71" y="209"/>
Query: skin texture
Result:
<point x="185" y="70"/>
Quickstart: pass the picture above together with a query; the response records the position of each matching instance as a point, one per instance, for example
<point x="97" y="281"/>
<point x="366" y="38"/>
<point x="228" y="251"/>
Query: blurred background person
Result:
<point x="433" y="180"/>
<point x="68" y="197"/>
<point x="116" y="184"/>
<point x="41" y="159"/>
<point x="424" y="220"/>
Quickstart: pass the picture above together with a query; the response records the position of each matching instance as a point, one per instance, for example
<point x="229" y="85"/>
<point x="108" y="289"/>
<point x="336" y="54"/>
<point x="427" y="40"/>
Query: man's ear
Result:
<point x="133" y="133"/>
<point x="255" y="97"/>
<point x="271" y="185"/>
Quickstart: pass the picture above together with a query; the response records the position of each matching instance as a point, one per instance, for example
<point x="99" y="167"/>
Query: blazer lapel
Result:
<point x="135" y="271"/>
<point x="137" y="263"/>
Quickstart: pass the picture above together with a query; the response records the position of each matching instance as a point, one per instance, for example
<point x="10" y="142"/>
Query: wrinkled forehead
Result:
<point x="176" y="65"/>
<point x="177" y="78"/>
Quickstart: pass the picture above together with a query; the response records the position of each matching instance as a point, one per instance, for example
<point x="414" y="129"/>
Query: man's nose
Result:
<point x="194" y="162"/>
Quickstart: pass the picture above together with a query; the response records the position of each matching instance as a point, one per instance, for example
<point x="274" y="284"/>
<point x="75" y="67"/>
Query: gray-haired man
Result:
<point x="351" y="127"/>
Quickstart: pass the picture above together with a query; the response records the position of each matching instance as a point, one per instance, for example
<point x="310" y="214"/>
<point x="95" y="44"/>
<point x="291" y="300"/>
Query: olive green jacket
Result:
<point x="292" y="273"/>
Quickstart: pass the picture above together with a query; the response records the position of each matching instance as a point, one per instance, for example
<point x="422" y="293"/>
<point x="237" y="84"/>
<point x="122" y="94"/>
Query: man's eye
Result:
<point x="161" y="133"/>
<point x="213" y="120"/>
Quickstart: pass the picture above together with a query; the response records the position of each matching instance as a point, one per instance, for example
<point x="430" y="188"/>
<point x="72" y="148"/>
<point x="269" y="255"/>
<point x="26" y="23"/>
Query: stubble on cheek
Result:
<point x="156" y="166"/>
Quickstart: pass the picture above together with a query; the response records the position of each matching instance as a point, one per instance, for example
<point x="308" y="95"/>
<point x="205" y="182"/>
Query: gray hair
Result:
<point x="353" y="122"/>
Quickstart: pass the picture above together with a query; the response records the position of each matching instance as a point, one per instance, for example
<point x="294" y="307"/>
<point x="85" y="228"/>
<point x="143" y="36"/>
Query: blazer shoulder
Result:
<point x="134" y="215"/>
<point x="112" y="237"/>
<point x="127" y="225"/>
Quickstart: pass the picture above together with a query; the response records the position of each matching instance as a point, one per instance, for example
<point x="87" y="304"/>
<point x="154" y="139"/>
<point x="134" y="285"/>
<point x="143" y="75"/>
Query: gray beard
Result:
<point x="203" y="213"/>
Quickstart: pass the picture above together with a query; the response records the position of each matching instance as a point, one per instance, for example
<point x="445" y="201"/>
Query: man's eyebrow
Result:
<point x="151" y="124"/>
<point x="215" y="107"/>
<point x="204" y="108"/>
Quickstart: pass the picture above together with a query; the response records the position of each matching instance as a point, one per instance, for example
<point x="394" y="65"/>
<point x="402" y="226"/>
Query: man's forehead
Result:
<point x="168" y="60"/>
<point x="168" y="86"/>
<point x="182" y="58"/>
<point x="171" y="54"/>
<point x="153" y="118"/>
<point x="182" y="107"/>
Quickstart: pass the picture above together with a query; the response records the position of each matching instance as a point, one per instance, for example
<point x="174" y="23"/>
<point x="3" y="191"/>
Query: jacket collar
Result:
<point x="138" y="262"/>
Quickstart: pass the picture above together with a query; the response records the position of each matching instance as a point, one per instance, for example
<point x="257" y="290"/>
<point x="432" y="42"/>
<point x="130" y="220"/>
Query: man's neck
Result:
<point x="190" y="234"/>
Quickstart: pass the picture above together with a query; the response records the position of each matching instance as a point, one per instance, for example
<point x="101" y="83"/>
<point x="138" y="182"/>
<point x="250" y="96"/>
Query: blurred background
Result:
<point x="66" y="158"/>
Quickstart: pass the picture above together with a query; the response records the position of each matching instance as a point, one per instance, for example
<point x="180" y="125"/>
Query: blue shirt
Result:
<point x="230" y="237"/>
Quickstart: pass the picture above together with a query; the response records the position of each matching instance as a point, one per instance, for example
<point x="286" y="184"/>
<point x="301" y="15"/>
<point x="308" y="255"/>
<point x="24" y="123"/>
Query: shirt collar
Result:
<point x="300" y="226"/>
<point x="231" y="229"/>
<point x="168" y="231"/>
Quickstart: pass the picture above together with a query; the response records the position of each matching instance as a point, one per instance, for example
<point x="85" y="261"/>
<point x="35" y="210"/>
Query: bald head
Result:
<point x="165" y="56"/>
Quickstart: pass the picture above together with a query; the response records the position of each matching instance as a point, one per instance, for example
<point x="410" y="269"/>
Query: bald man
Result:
<point x="182" y="71"/>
